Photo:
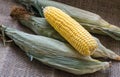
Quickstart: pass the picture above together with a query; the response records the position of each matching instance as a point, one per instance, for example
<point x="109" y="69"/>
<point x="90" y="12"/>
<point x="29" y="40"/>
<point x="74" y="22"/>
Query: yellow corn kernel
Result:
<point x="71" y="30"/>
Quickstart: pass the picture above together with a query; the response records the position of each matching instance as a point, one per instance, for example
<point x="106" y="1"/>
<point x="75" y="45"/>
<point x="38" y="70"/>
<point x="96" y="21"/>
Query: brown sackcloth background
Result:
<point x="15" y="63"/>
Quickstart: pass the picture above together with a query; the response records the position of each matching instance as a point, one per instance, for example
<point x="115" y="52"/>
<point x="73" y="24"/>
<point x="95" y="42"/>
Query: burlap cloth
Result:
<point x="15" y="63"/>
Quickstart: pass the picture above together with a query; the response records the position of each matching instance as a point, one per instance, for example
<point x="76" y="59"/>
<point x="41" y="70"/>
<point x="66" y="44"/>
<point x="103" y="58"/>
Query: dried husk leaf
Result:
<point x="91" y="21"/>
<point x="54" y="53"/>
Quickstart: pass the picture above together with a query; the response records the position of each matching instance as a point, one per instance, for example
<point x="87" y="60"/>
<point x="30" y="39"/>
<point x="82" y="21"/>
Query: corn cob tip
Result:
<point x="19" y="12"/>
<point x="46" y="8"/>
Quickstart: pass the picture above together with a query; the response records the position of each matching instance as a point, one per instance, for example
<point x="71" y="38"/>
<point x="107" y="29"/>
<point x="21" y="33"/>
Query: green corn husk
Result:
<point x="41" y="27"/>
<point x="92" y="22"/>
<point x="54" y="53"/>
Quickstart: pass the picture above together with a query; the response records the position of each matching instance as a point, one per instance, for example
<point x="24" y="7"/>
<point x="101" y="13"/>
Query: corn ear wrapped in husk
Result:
<point x="54" y="53"/>
<point x="91" y="21"/>
<point x="41" y="27"/>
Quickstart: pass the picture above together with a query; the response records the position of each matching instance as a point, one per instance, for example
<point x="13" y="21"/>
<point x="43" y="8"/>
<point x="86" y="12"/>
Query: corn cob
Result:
<point x="41" y="27"/>
<point x="92" y="22"/>
<point x="54" y="53"/>
<point x="71" y="30"/>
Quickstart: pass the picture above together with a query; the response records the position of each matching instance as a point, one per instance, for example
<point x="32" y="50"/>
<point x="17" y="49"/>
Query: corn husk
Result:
<point x="54" y="53"/>
<point x="91" y="21"/>
<point x="41" y="27"/>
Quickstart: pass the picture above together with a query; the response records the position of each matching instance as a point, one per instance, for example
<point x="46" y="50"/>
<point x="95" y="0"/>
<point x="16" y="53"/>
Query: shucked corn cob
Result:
<point x="71" y="30"/>
<point x="92" y="22"/>
<point x="54" y="53"/>
<point x="41" y="27"/>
